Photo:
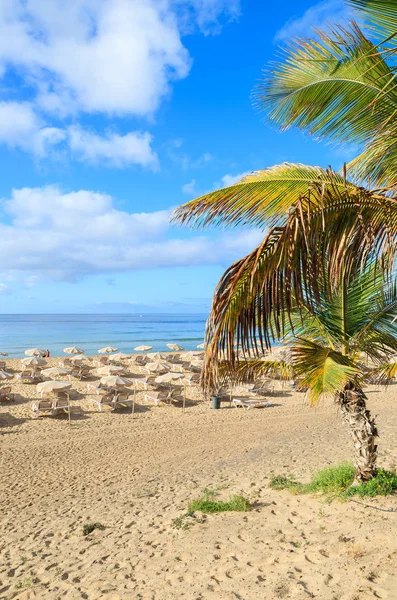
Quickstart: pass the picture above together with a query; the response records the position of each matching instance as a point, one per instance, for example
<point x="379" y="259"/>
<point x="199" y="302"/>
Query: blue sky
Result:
<point x="112" y="112"/>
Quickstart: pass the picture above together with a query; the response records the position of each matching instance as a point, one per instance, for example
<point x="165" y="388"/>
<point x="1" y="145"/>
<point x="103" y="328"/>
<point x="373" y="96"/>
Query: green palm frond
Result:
<point x="322" y="370"/>
<point x="380" y="16"/>
<point x="383" y="374"/>
<point x="262" y="198"/>
<point x="338" y="88"/>
<point x="252" y="370"/>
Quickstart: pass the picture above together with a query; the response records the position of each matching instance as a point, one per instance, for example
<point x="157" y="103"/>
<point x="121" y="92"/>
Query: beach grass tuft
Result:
<point x="337" y="481"/>
<point x="90" y="527"/>
<point x="207" y="503"/>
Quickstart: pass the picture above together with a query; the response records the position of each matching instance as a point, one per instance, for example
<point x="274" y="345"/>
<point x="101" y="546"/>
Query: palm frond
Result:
<point x="263" y="198"/>
<point x="380" y="17"/>
<point x="254" y="369"/>
<point x="322" y="370"/>
<point x="339" y="88"/>
<point x="383" y="374"/>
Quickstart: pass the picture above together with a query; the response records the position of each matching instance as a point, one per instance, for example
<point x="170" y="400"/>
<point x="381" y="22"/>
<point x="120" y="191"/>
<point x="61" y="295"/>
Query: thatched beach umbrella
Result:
<point x="73" y="350"/>
<point x="114" y="381"/>
<point x="107" y="350"/>
<point x="110" y="370"/>
<point x="55" y="372"/>
<point x="157" y="367"/>
<point x="175" y="347"/>
<point x="169" y="377"/>
<point x="119" y="356"/>
<point x="35" y="352"/>
<point x="143" y="348"/>
<point x="46" y="387"/>
<point x="201" y="345"/>
<point x="33" y="361"/>
<point x="157" y="356"/>
<point x="79" y="358"/>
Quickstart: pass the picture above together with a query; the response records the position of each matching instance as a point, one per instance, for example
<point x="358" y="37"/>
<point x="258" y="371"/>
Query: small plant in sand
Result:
<point x="338" y="482"/>
<point x="23" y="584"/>
<point x="207" y="503"/>
<point x="90" y="527"/>
<point x="183" y="521"/>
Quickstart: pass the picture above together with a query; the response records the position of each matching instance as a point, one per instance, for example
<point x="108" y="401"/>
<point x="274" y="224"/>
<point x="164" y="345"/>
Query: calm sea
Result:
<point x="91" y="332"/>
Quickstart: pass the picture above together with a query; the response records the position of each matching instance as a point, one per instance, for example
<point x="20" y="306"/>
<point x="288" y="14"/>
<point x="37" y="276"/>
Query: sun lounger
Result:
<point x="262" y="387"/>
<point x="42" y="405"/>
<point x="158" y="397"/>
<point x="6" y="394"/>
<point x="94" y="388"/>
<point x="193" y="378"/>
<point x="247" y="403"/>
<point x="80" y="373"/>
<point x="60" y="403"/>
<point x="29" y="376"/>
<point x="150" y="380"/>
<point x="113" y="400"/>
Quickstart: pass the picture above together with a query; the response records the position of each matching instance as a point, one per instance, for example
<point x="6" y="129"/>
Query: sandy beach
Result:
<point x="136" y="477"/>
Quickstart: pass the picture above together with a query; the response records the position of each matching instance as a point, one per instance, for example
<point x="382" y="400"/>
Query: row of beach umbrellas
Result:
<point x="38" y="352"/>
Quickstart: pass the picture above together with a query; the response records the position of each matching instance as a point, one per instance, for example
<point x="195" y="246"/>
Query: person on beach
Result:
<point x="47" y="354"/>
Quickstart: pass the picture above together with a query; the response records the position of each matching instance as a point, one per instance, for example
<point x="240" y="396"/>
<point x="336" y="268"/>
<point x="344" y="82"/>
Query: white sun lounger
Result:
<point x="247" y="403"/>
<point x="158" y="397"/>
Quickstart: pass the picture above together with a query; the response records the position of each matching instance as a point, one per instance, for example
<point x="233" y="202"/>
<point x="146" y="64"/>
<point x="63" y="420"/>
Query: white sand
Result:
<point x="136" y="476"/>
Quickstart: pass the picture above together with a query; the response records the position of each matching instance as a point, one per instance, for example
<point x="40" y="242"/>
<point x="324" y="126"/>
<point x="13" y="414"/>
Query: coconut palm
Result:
<point x="326" y="348"/>
<point x="317" y="221"/>
<point x="342" y="86"/>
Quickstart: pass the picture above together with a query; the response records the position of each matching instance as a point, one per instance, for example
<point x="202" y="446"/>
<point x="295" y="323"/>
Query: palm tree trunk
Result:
<point x="362" y="430"/>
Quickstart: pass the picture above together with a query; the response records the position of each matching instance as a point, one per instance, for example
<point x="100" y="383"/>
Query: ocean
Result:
<point x="91" y="332"/>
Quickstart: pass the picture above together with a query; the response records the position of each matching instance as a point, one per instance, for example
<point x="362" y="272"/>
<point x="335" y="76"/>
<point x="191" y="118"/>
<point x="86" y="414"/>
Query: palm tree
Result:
<point x="323" y="230"/>
<point x="326" y="346"/>
<point x="342" y="86"/>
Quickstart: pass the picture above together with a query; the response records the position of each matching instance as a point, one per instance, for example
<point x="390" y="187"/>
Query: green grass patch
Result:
<point x="207" y="504"/>
<point x="90" y="527"/>
<point x="337" y="482"/>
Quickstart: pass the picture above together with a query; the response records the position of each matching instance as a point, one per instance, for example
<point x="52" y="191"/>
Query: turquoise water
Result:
<point x="91" y="332"/>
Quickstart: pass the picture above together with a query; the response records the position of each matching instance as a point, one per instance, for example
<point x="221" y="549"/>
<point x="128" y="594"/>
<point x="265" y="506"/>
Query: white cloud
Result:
<point x="69" y="235"/>
<point x="111" y="56"/>
<point x="230" y="179"/>
<point x="113" y="149"/>
<point x="18" y="123"/>
<point x="319" y="15"/>
<point x="114" y="57"/>
<point x="190" y="188"/>
<point x="20" y="127"/>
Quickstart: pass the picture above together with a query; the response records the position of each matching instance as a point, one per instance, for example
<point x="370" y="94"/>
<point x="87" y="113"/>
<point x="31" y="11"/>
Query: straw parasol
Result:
<point x="5" y="375"/>
<point x="109" y="370"/>
<point x="157" y="367"/>
<point x="114" y="381"/>
<point x="73" y="350"/>
<point x="52" y="386"/>
<point x="35" y="352"/>
<point x="33" y="361"/>
<point x="55" y="372"/>
<point x="169" y="377"/>
<point x="202" y="346"/>
<point x="143" y="348"/>
<point x="157" y="356"/>
<point x="119" y="356"/>
<point x="198" y="364"/>
<point x="175" y="347"/>
<point x="107" y="350"/>
<point x="79" y="358"/>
